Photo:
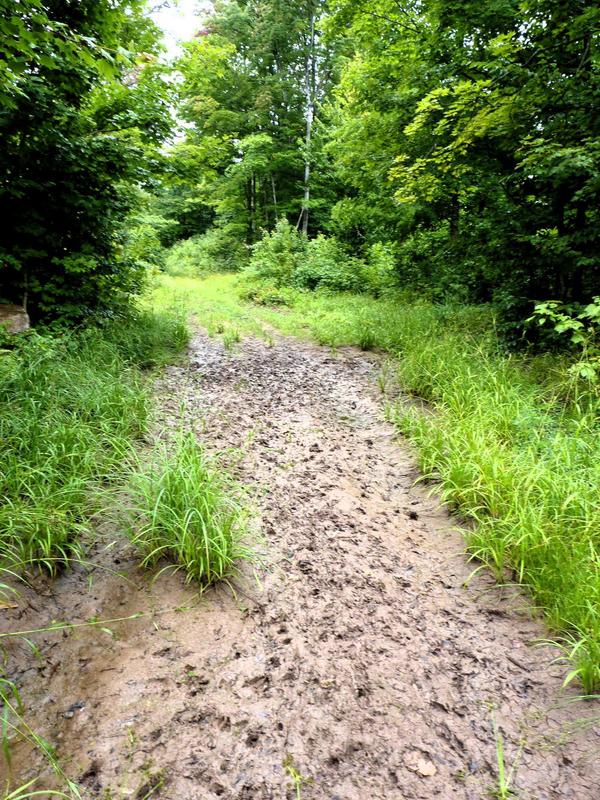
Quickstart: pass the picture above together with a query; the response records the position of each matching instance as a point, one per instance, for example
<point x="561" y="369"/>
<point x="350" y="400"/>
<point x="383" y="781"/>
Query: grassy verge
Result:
<point x="70" y="405"/>
<point x="215" y="305"/>
<point x="508" y="452"/>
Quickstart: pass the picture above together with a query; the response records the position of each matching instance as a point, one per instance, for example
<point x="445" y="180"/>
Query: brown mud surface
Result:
<point x="358" y="660"/>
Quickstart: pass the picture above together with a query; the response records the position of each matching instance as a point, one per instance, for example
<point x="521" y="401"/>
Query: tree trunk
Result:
<point x="310" y="89"/>
<point x="253" y="215"/>
<point x="249" y="210"/>
<point x="454" y="216"/>
<point x="265" y="200"/>
<point x="274" y="197"/>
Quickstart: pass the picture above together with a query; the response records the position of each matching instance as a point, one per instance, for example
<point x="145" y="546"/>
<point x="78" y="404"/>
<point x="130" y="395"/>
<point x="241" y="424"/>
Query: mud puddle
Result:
<point x="357" y="667"/>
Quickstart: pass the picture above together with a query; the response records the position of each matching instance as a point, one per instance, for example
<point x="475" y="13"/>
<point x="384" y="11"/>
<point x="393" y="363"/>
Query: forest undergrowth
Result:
<point x="513" y="444"/>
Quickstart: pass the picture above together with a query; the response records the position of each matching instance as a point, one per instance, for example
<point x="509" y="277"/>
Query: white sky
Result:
<point x="179" y="20"/>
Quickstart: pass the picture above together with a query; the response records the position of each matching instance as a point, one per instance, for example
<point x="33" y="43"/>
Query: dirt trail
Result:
<point x="359" y="662"/>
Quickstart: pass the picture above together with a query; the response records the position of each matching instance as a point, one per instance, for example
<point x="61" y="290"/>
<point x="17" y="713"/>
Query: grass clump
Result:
<point x="231" y="338"/>
<point x="148" y="338"/>
<point x="184" y="511"/>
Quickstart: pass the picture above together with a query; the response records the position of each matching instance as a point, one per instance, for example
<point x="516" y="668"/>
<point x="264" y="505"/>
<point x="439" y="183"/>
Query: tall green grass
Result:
<point x="70" y="405"/>
<point x="513" y="445"/>
<point x="183" y="510"/>
<point x="525" y="469"/>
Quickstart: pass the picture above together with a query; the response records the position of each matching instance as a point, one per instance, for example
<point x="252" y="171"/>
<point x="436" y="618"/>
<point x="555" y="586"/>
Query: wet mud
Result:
<point x="353" y="664"/>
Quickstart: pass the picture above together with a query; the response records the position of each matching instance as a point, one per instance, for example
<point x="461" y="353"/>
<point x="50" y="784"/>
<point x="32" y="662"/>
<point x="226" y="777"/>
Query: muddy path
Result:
<point x="357" y="664"/>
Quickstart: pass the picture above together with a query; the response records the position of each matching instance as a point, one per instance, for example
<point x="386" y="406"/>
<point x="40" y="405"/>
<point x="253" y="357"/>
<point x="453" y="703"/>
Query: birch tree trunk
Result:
<point x="274" y="191"/>
<point x="310" y="88"/>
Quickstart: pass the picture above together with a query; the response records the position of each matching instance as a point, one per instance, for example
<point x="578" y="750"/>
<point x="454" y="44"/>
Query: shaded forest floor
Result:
<point x="352" y="663"/>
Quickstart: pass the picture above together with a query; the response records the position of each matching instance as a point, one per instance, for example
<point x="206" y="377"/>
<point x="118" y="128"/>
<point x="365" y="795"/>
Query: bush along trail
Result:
<point x="354" y="655"/>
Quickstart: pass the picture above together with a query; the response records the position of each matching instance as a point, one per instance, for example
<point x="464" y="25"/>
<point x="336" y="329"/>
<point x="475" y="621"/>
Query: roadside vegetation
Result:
<point x="86" y="103"/>
<point x="75" y="417"/>
<point x="71" y="404"/>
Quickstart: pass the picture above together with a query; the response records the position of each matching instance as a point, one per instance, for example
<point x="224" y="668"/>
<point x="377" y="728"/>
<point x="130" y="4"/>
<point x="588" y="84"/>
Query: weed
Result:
<point x="15" y="726"/>
<point x="367" y="339"/>
<point x="298" y="780"/>
<point x="153" y="781"/>
<point x="385" y="377"/>
<point x="231" y="337"/>
<point x="27" y="790"/>
<point x="70" y="406"/>
<point x="583" y="654"/>
<point x="132" y="742"/>
<point x="149" y="338"/>
<point x="503" y="790"/>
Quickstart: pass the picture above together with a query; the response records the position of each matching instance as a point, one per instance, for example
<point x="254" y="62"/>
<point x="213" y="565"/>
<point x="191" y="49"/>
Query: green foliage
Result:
<point x="213" y="251"/>
<point x="182" y="203"/>
<point x="248" y="82"/>
<point x="379" y="274"/>
<point x="146" y="231"/>
<point x="278" y="254"/>
<point x="326" y="265"/>
<point x="184" y="512"/>
<point x="81" y="121"/>
<point x="284" y="257"/>
<point x="185" y="258"/>
<point x="464" y="138"/>
<point x="583" y="332"/>
<point x="70" y="404"/>
<point x="480" y="122"/>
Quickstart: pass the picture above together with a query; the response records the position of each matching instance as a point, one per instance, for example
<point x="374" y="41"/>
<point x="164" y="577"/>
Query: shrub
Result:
<point x="327" y="265"/>
<point x="143" y="239"/>
<point x="221" y="250"/>
<point x="379" y="272"/>
<point x="277" y="255"/>
<point x="214" y="251"/>
<point x="284" y="257"/>
<point x="184" y="259"/>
